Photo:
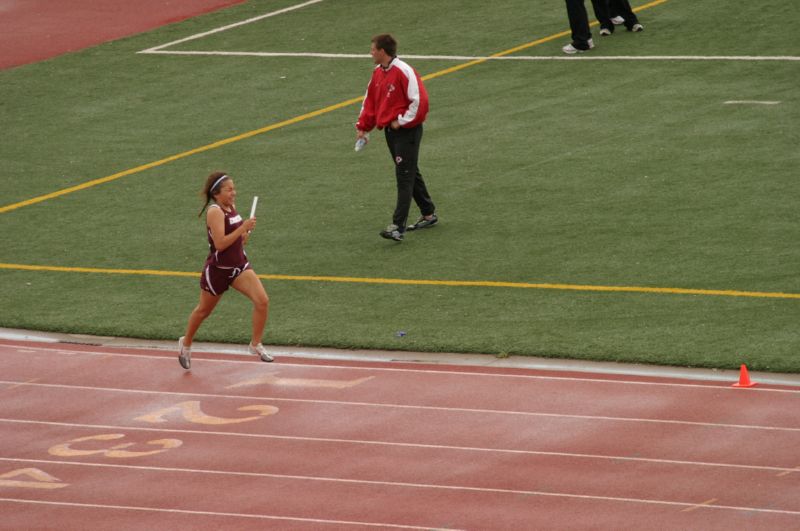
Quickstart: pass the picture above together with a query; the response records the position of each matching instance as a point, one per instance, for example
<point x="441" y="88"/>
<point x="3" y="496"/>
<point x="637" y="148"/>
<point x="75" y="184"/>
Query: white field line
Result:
<point x="209" y="513"/>
<point x="412" y="407"/>
<point x="278" y="352"/>
<point x="751" y="102"/>
<point x="486" y="58"/>
<point x="361" y="442"/>
<point x="160" y="50"/>
<point x="459" y="488"/>
<point x="230" y="26"/>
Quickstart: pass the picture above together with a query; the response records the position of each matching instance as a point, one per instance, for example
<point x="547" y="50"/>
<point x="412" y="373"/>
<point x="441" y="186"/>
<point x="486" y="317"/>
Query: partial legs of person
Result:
<point x="405" y="153"/>
<point x="203" y="309"/>
<point x="420" y="194"/>
<point x="579" y="24"/>
<point x="249" y="284"/>
<point x="403" y="145"/>
<point x="623" y="9"/>
<point x="423" y="200"/>
<point x="603" y="15"/>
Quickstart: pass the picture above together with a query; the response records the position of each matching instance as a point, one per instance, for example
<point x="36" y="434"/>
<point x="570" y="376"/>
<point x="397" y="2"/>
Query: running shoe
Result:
<point x="423" y="223"/>
<point x="260" y="351"/>
<point x="636" y="28"/>
<point x="185" y="356"/>
<point x="392" y="232"/>
<point x="571" y="49"/>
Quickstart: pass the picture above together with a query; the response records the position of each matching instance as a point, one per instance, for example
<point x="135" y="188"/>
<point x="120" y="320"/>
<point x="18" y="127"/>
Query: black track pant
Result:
<point x="579" y="24"/>
<point x="623" y="9"/>
<point x="602" y="12"/>
<point x="404" y="146"/>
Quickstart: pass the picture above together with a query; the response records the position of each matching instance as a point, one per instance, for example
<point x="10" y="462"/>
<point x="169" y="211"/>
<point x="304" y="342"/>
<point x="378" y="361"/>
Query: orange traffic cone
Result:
<point x="744" y="378"/>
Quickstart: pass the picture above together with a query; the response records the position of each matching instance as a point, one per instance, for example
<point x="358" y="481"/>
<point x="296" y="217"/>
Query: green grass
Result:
<point x="602" y="173"/>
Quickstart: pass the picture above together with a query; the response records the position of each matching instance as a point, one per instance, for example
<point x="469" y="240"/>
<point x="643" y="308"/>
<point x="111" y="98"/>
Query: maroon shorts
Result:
<point x="217" y="280"/>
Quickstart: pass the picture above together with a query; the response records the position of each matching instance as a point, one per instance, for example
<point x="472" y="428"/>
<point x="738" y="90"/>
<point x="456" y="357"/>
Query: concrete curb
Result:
<point x="434" y="358"/>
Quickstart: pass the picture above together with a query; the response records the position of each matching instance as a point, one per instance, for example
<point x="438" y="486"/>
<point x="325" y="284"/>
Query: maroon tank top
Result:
<point x="234" y="255"/>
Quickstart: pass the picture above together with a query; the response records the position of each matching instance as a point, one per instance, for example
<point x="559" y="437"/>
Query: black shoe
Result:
<point x="392" y="232"/>
<point x="423" y="223"/>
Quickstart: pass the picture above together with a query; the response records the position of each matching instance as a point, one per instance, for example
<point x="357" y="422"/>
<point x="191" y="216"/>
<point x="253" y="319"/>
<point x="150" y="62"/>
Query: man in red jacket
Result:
<point x="397" y="102"/>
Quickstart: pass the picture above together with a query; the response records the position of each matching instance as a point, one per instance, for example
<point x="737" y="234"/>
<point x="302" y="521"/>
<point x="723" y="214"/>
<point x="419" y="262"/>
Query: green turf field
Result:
<point x="590" y="209"/>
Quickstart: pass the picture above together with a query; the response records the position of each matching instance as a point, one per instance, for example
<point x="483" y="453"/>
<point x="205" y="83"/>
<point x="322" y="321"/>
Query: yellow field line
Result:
<point x="185" y="154"/>
<point x="423" y="282"/>
<point x="312" y="114"/>
<point x="522" y="47"/>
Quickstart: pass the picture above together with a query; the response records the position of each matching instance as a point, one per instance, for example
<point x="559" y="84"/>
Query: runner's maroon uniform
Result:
<point x="222" y="267"/>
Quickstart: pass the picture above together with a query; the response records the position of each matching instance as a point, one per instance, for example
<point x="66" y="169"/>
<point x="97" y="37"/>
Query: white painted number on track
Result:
<point x="115" y="452"/>
<point x="39" y="479"/>
<point x="273" y="379"/>
<point x="191" y="411"/>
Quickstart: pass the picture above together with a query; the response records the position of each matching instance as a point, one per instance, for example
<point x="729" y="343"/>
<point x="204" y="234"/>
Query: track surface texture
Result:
<point x="34" y="30"/>
<point x="125" y="437"/>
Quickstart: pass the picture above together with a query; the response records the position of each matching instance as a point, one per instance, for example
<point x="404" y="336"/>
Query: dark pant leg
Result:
<point x="623" y="9"/>
<point x="421" y="196"/>
<point x="404" y="146"/>
<point x="578" y="23"/>
<point x="602" y="13"/>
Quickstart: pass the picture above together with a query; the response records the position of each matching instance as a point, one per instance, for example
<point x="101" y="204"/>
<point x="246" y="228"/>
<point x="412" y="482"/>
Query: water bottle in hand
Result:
<point x="361" y="142"/>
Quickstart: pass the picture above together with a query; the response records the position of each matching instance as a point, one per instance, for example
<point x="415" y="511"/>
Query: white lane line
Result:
<point x="790" y="471"/>
<point x="460" y="488"/>
<point x="230" y="26"/>
<point x="434" y="370"/>
<point x="750" y="102"/>
<point x="209" y="513"/>
<point x="19" y="385"/>
<point x="700" y="505"/>
<point x="782" y="471"/>
<point x="323" y="55"/>
<point x="413" y="407"/>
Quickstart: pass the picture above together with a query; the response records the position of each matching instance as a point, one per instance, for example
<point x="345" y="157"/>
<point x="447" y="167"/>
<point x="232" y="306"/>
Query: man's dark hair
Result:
<point x="386" y="42"/>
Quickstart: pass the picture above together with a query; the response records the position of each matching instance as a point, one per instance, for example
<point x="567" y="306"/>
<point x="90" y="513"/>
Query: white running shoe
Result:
<point x="571" y="49"/>
<point x="637" y="27"/>
<point x="605" y="32"/>
<point x="259" y="351"/>
<point x="617" y="20"/>
<point x="185" y="356"/>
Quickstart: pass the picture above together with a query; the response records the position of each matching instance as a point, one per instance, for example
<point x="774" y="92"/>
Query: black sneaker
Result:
<point x="392" y="232"/>
<point x="423" y="223"/>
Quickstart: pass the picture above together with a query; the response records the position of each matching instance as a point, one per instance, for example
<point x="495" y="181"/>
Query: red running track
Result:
<point x="96" y="437"/>
<point x="33" y="30"/>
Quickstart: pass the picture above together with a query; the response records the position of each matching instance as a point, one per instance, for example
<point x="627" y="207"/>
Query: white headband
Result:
<point x="217" y="182"/>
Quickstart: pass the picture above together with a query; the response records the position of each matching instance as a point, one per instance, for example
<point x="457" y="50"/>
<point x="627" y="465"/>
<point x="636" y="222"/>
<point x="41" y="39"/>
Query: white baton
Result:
<point x="253" y="208"/>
